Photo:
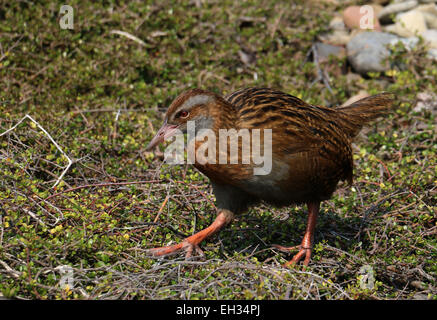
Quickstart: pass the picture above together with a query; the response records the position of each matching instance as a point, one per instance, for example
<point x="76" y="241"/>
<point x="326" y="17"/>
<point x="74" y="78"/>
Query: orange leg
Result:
<point x="306" y="246"/>
<point x="192" y="243"/>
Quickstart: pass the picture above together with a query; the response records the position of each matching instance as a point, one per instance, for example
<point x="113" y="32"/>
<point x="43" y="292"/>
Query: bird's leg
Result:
<point x="192" y="243"/>
<point x="306" y="247"/>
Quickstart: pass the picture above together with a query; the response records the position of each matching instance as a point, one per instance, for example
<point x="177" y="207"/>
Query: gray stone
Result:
<point x="430" y="37"/>
<point x="432" y="53"/>
<point x="420" y="296"/>
<point x="325" y="50"/>
<point x="368" y="51"/>
<point x="426" y="101"/>
<point x="409" y="43"/>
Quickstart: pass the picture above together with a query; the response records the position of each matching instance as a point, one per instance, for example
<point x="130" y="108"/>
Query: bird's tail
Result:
<point x="354" y="116"/>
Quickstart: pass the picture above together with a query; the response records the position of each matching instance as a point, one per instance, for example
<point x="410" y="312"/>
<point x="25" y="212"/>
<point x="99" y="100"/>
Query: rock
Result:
<point x="360" y="17"/>
<point x="360" y="95"/>
<point x="410" y="23"/>
<point x="432" y="54"/>
<point x="420" y="296"/>
<point x="390" y="28"/>
<point x="337" y="19"/>
<point x="430" y="37"/>
<point x="325" y="50"/>
<point x="368" y="51"/>
<point x="337" y="23"/>
<point x="338" y="37"/>
<point x="384" y="14"/>
<point x="426" y="101"/>
<point x="417" y="284"/>
<point x="409" y="43"/>
<point x="246" y="56"/>
<point x="429" y="11"/>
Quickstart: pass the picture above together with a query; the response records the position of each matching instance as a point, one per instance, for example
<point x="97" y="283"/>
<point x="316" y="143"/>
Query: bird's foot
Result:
<point x="191" y="244"/>
<point x="185" y="245"/>
<point x="303" y="252"/>
<point x="306" y="246"/>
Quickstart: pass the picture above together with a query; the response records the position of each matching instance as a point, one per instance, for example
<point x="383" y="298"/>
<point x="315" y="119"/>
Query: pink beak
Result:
<point x="165" y="132"/>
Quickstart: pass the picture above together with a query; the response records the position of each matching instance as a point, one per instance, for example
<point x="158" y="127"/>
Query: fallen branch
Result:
<point x="30" y="213"/>
<point x="158" y="214"/>
<point x="106" y="184"/>
<point x="129" y="36"/>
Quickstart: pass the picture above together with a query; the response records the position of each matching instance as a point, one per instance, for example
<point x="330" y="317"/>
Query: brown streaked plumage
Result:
<point x="311" y="151"/>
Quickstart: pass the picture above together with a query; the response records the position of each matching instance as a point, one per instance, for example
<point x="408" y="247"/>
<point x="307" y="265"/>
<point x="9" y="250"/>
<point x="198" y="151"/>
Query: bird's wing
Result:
<point x="297" y="127"/>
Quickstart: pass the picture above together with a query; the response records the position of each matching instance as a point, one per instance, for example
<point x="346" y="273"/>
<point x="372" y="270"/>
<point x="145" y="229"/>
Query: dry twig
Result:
<point x="70" y="162"/>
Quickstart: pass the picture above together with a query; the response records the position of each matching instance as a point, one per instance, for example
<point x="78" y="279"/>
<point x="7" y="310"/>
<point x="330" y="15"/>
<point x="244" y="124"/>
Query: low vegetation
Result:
<point x="101" y="96"/>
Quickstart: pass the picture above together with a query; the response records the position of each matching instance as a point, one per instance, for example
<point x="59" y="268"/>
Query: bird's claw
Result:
<point x="190" y="247"/>
<point x="298" y="256"/>
<point x="187" y="246"/>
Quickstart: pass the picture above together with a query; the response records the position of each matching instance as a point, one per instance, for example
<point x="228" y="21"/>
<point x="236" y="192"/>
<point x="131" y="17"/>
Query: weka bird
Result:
<point x="311" y="152"/>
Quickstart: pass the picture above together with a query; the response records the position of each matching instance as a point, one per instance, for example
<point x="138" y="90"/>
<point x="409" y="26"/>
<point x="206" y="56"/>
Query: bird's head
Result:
<point x="192" y="105"/>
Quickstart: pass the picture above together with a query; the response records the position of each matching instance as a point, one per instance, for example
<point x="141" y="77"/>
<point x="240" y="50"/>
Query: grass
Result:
<point x="101" y="96"/>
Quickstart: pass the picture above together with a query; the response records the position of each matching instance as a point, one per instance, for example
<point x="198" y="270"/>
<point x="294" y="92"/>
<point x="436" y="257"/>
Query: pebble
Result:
<point x="385" y="13"/>
<point x="360" y="95"/>
<point x="338" y="37"/>
<point x="420" y="296"/>
<point x="429" y="11"/>
<point x="409" y="43"/>
<point x="324" y="50"/>
<point x="410" y="23"/>
<point x="368" y="51"/>
<point x="432" y="54"/>
<point x="430" y="37"/>
<point x="337" y="23"/>
<point x="426" y="101"/>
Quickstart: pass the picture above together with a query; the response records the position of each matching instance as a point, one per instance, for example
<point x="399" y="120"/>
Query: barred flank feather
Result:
<point x="354" y="116"/>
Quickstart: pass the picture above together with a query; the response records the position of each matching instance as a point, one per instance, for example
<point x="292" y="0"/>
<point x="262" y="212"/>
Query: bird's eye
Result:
<point x="182" y="114"/>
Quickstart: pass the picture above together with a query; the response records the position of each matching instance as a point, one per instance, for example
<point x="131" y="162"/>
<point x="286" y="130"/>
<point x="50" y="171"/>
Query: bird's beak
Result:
<point x="165" y="132"/>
